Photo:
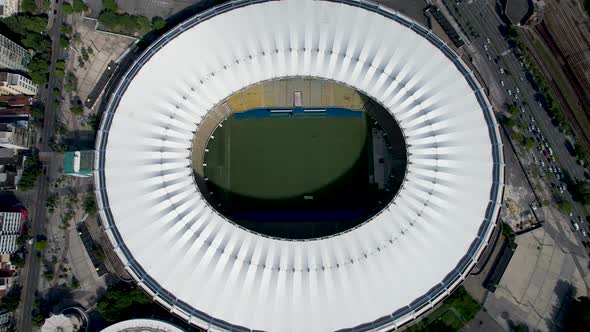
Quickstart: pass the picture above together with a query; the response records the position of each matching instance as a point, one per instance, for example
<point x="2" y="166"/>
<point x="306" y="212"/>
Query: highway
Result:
<point x="30" y="275"/>
<point x="510" y="77"/>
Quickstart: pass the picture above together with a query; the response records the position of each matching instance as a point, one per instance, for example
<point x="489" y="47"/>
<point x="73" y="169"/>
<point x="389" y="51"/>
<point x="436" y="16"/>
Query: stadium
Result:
<point x="299" y="165"/>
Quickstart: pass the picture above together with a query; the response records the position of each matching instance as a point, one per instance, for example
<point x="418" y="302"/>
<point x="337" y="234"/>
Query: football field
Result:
<point x="289" y="162"/>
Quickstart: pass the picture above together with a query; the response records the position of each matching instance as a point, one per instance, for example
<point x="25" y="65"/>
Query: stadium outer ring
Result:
<point x="392" y="321"/>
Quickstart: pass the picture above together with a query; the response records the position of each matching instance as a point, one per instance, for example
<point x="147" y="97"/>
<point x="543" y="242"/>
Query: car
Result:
<point x="521" y="78"/>
<point x="502" y="83"/>
<point x="571" y="214"/>
<point x="488" y="40"/>
<point x="532" y="119"/>
<point x="576" y="226"/>
<point x="509" y="92"/>
<point x="550" y="151"/>
<point x="517" y="90"/>
<point x="515" y="96"/>
<point x="501" y="70"/>
<point x="542" y="163"/>
<point x="539" y="103"/>
<point x="584" y="233"/>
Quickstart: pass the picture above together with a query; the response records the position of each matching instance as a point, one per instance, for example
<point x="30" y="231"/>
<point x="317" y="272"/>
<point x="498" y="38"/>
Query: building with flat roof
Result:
<point x="79" y="163"/>
<point x="11" y="225"/>
<point x="8" y="7"/>
<point x="12" y="55"/>
<point x="16" y="84"/>
<point x="15" y="137"/>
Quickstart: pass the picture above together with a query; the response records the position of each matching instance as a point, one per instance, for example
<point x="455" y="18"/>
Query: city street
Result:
<point x="37" y="211"/>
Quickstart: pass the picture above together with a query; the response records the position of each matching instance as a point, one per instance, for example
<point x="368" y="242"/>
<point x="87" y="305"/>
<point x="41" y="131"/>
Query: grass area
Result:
<point x="456" y="310"/>
<point x="291" y="176"/>
<point x="285" y="158"/>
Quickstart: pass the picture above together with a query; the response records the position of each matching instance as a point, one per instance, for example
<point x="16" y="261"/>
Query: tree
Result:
<point x="120" y="302"/>
<point x="67" y="8"/>
<point x="31" y="170"/>
<point x="11" y="301"/>
<point x="38" y="320"/>
<point x="79" y="6"/>
<point x="124" y="23"/>
<point x="564" y="207"/>
<point x="71" y="82"/>
<point x="66" y="29"/>
<point x="37" y="112"/>
<point x="77" y="109"/>
<point x="90" y="204"/>
<point x="529" y="143"/>
<point x="63" y="42"/>
<point x="580" y="152"/>
<point x="110" y="5"/>
<point x="29" y="6"/>
<point x="39" y="70"/>
<point x="40" y="245"/>
<point x="158" y="23"/>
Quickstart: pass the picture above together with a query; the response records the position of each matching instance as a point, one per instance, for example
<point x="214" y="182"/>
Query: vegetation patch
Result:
<point x="31" y="170"/>
<point x="452" y="315"/>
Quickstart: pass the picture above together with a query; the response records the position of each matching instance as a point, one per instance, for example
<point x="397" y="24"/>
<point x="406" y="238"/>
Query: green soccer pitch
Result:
<point x="287" y="162"/>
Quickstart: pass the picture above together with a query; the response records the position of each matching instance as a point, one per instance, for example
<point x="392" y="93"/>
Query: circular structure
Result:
<point x="376" y="276"/>
<point x="142" y="325"/>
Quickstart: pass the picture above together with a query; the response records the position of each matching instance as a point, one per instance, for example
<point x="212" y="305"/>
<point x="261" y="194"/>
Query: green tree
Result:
<point x="37" y="112"/>
<point x="63" y="42"/>
<point x="158" y="23"/>
<point x="67" y="8"/>
<point x="89" y="204"/>
<point x="71" y="82"/>
<point x="529" y="143"/>
<point x="77" y="109"/>
<point x="582" y="192"/>
<point x="79" y="6"/>
<point x="66" y="29"/>
<point x="11" y="301"/>
<point x="580" y="152"/>
<point x="39" y="70"/>
<point x="110" y="5"/>
<point x="38" y="320"/>
<point x="40" y="245"/>
<point x="118" y="303"/>
<point x="31" y="170"/>
<point x="29" y="6"/>
<point x="564" y="207"/>
<point x="124" y="23"/>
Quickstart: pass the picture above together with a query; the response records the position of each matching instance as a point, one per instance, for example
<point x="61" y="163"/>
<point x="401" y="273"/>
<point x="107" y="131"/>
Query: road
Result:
<point x="509" y="76"/>
<point x="30" y="276"/>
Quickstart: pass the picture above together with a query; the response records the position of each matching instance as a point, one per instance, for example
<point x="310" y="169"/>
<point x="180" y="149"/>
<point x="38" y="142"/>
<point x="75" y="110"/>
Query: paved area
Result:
<point x="482" y="322"/>
<point x="540" y="277"/>
<point x="105" y="48"/>
<point x="147" y="8"/>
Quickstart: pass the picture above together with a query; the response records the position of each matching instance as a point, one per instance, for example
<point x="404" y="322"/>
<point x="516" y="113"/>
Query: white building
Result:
<point x="16" y="84"/>
<point x="8" y="7"/>
<point x="11" y="224"/>
<point x="379" y="276"/>
<point x="12" y="55"/>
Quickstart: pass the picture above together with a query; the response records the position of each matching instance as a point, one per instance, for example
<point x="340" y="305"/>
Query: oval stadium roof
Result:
<point x="377" y="276"/>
